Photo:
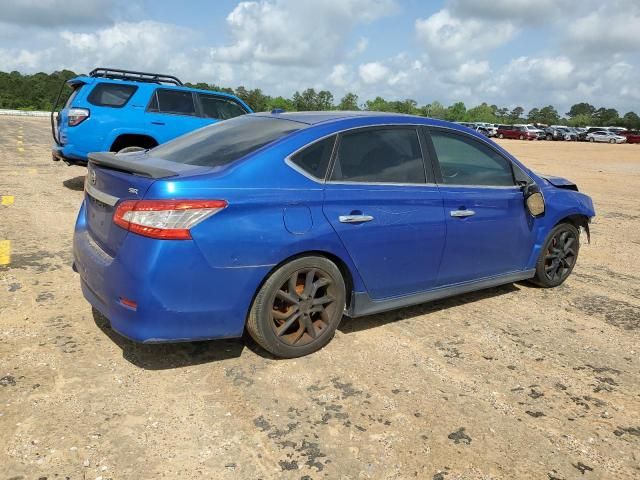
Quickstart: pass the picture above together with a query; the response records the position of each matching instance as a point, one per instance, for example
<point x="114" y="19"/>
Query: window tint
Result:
<point x="224" y="142"/>
<point x="219" y="107"/>
<point x="390" y="155"/>
<point x="315" y="158"/>
<point x="172" y="101"/>
<point x="111" y="94"/>
<point x="465" y="161"/>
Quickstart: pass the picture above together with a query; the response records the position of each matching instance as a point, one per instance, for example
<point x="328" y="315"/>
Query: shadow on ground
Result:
<point x="165" y="356"/>
<point x="75" y="183"/>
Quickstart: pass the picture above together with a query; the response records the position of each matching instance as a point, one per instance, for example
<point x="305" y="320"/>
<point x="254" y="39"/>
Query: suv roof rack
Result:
<point x="134" y="76"/>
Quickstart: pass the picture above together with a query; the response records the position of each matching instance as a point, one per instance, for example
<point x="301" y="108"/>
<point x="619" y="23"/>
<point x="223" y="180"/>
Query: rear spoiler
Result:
<point x="138" y="164"/>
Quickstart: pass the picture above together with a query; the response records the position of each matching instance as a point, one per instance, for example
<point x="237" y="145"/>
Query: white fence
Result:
<point x="24" y="113"/>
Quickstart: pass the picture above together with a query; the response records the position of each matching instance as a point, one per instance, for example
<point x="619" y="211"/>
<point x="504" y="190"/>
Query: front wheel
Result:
<point x="612" y="141"/>
<point x="501" y="135"/>
<point x="592" y="139"/>
<point x="558" y="256"/>
<point x="298" y="308"/>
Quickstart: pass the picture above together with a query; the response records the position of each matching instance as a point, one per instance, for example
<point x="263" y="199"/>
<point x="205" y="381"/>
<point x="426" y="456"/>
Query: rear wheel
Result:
<point x="521" y="137"/>
<point x="592" y="139"/>
<point x="501" y="135"/>
<point x="130" y="149"/>
<point x="299" y="307"/>
<point x="558" y="256"/>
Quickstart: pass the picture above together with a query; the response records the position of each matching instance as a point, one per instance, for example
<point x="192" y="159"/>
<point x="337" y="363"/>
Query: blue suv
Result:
<point x="122" y="110"/>
<point x="280" y="223"/>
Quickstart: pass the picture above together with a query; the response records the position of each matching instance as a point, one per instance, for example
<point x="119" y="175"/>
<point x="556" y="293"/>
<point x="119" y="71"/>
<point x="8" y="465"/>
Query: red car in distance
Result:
<point x="515" y="131"/>
<point x="633" y="136"/>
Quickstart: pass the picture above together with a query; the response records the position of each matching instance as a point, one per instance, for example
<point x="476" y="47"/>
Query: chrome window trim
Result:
<point x="100" y="196"/>
<point x="289" y="162"/>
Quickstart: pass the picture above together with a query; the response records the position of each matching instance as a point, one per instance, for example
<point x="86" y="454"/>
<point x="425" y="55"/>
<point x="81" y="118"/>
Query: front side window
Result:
<point x="219" y="107"/>
<point x="465" y="161"/>
<point x="111" y="94"/>
<point x="315" y="158"/>
<point x="225" y="142"/>
<point x="384" y="155"/>
<point x="176" y="102"/>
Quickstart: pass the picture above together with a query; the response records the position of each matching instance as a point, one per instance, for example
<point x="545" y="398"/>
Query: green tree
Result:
<point x="582" y="108"/>
<point x="434" y="110"/>
<point x="549" y="115"/>
<point x="456" y="112"/>
<point x="606" y="116"/>
<point x="349" y="102"/>
<point x="534" y="115"/>
<point x="482" y="113"/>
<point x="631" y="120"/>
<point x="516" y="114"/>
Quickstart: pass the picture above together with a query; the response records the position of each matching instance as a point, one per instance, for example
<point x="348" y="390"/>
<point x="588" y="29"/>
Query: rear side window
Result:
<point x="224" y="142"/>
<point x="315" y="158"/>
<point x="111" y="94"/>
<point x="465" y="161"/>
<point x="219" y="107"/>
<point x="176" y="102"/>
<point x="387" y="155"/>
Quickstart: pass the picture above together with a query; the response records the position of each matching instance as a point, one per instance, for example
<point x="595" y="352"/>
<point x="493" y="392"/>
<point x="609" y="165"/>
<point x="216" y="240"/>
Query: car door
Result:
<point x="489" y="231"/>
<point x="382" y="202"/>
<point x="171" y="113"/>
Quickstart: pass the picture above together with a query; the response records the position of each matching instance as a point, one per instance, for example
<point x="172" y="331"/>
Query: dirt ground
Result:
<point x="511" y="382"/>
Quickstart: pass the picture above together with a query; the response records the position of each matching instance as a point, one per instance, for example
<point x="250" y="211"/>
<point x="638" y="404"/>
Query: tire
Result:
<point x="501" y="135"/>
<point x="558" y="256"/>
<point x="592" y="139"/>
<point x="297" y="339"/>
<point x="521" y="137"/>
<point x="549" y="137"/>
<point x="612" y="141"/>
<point x="130" y="149"/>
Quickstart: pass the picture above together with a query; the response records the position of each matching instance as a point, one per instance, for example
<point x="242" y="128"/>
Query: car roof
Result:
<point x="94" y="80"/>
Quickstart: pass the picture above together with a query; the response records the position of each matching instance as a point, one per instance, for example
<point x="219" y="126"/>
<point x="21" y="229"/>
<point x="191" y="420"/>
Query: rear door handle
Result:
<point x="462" y="213"/>
<point x="355" y="218"/>
<point x="157" y="123"/>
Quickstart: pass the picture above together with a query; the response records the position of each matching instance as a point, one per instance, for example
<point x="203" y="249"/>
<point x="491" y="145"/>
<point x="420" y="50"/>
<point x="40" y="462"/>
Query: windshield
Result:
<point x="225" y="142"/>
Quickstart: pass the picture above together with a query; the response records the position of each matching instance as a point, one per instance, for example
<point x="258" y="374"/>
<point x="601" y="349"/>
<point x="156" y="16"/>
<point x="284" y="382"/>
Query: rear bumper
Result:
<point x="179" y="296"/>
<point x="67" y="155"/>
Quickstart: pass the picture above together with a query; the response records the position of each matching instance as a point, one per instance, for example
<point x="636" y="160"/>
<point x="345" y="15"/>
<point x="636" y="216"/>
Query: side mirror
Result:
<point x="533" y="199"/>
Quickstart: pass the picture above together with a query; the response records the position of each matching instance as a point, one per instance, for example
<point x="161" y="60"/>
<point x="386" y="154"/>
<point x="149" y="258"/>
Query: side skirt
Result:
<point x="362" y="304"/>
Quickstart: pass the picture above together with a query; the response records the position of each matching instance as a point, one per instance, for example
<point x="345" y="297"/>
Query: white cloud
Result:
<point x="340" y="75"/>
<point x="373" y="72"/>
<point x="448" y="38"/>
<point x="295" y="32"/>
<point x="51" y="13"/>
<point x="606" y="31"/>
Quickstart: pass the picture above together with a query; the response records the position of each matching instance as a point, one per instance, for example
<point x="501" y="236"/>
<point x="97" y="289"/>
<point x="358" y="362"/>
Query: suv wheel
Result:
<point x="558" y="256"/>
<point x="501" y="135"/>
<point x="549" y="136"/>
<point x="298" y="308"/>
<point x="130" y="149"/>
<point x="521" y="137"/>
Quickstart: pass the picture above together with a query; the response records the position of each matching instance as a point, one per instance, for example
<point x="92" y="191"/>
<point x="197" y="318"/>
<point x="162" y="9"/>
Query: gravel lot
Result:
<point x="511" y="382"/>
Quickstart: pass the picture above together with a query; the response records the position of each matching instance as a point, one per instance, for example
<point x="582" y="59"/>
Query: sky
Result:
<point x="530" y="53"/>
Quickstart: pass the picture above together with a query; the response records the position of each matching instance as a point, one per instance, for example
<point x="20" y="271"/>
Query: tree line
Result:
<point x="38" y="92"/>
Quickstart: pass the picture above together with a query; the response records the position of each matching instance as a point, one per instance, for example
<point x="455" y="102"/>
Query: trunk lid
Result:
<point x="112" y="178"/>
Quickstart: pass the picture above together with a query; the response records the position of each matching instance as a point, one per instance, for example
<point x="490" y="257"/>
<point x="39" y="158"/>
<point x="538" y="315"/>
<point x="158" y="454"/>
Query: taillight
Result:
<point x="165" y="219"/>
<point x="76" y="116"/>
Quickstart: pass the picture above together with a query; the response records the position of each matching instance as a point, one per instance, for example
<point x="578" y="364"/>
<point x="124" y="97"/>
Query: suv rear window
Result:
<point x="225" y="142"/>
<point x="111" y="94"/>
<point x="219" y="107"/>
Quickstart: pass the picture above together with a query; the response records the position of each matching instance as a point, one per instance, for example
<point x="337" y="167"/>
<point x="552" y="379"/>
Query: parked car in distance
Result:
<point x="483" y="130"/>
<point x="113" y="110"/>
<point x="632" y="136"/>
<point x="516" y="131"/>
<point x="557" y="132"/>
<point x="605" y="136"/>
<point x="282" y="223"/>
<point x="490" y="128"/>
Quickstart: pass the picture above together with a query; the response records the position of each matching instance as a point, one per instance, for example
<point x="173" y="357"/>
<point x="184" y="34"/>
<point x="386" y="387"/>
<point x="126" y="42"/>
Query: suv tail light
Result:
<point x="77" y="115"/>
<point x="165" y="219"/>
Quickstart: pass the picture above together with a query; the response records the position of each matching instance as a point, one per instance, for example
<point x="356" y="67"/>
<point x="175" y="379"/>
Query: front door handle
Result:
<point x="355" y="218"/>
<point x="157" y="123"/>
<point x="462" y="213"/>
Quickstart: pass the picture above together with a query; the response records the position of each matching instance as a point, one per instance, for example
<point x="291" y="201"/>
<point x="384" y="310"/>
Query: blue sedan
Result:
<point x="280" y="223"/>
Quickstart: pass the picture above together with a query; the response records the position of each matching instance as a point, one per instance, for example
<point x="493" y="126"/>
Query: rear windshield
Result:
<point x="225" y="142"/>
<point x="74" y="92"/>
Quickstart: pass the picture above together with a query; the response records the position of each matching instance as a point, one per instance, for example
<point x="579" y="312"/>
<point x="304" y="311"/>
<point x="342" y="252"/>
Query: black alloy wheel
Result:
<point x="558" y="256"/>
